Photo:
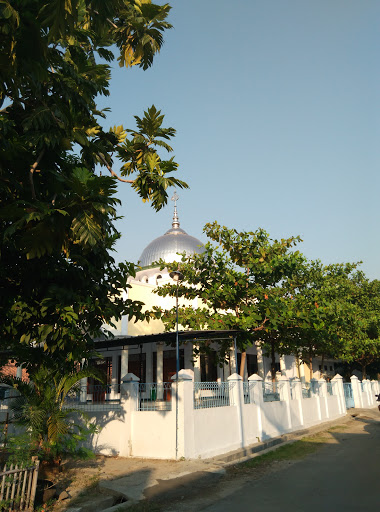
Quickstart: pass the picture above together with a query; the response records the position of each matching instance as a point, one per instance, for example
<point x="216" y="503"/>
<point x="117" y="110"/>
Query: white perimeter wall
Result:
<point x="153" y="434"/>
<point x="208" y="432"/>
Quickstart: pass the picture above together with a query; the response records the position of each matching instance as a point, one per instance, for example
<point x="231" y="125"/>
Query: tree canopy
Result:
<point x="59" y="282"/>
<point x="277" y="299"/>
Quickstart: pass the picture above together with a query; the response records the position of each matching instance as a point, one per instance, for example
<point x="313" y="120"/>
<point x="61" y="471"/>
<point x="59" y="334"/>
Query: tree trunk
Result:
<point x="322" y="363"/>
<point x="242" y="363"/>
<point x="298" y="366"/>
<point x="273" y="362"/>
<point x="364" y="371"/>
<point x="311" y="366"/>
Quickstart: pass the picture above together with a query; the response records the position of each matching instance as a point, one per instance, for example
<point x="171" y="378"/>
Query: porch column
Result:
<point x="302" y="372"/>
<point x="232" y="362"/>
<point x="114" y="378"/>
<point x="197" y="368"/>
<point x="83" y="390"/>
<point x="188" y="352"/>
<point x="282" y="366"/>
<point x="260" y="362"/>
<point x="160" y="370"/>
<point x="226" y="371"/>
<point x="124" y="363"/>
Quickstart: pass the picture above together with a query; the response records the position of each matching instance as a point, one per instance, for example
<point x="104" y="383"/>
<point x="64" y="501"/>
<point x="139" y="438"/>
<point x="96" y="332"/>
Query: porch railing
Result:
<point x="18" y="487"/>
<point x="155" y="397"/>
<point x="94" y="396"/>
<point x="246" y="392"/>
<point x="270" y="392"/>
<point x="212" y="394"/>
<point x="306" y="390"/>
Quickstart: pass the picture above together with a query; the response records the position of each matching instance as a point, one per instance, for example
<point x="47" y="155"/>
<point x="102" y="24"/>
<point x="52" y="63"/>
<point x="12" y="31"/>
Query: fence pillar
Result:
<point x="375" y="390"/>
<point x="297" y="395"/>
<point x="323" y="395"/>
<point x="183" y="400"/>
<point x="256" y="397"/>
<point x="129" y="402"/>
<point x="356" y="392"/>
<point x="338" y="389"/>
<point x="237" y="394"/>
<point x="367" y="387"/>
<point x="284" y="389"/>
<point x="314" y="385"/>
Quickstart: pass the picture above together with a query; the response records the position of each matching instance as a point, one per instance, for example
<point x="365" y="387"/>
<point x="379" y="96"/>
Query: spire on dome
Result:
<point x="175" y="223"/>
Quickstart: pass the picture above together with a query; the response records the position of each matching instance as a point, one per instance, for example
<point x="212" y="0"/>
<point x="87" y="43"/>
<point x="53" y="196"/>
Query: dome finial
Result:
<point x="175" y="223"/>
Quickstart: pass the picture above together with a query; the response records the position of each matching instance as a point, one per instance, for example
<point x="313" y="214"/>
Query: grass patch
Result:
<point x="292" y="451"/>
<point x="338" y="428"/>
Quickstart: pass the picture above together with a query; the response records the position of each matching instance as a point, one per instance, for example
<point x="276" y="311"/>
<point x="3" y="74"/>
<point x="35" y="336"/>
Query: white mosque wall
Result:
<point x="144" y="292"/>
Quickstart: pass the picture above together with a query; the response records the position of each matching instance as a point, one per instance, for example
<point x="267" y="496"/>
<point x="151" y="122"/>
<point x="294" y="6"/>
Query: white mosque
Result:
<point x="145" y="350"/>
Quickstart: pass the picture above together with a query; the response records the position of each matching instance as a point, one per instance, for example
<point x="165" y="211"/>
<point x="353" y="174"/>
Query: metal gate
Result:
<point x="349" y="397"/>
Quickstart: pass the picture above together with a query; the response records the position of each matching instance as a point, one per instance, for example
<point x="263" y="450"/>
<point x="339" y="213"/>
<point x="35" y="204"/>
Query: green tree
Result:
<point x="239" y="279"/>
<point x="58" y="280"/>
<point x="363" y="348"/>
<point x="324" y="318"/>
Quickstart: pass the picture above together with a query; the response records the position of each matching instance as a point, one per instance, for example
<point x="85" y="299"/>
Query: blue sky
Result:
<point x="276" y="107"/>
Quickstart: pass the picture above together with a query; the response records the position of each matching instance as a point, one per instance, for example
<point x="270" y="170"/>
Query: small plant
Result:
<point x="51" y="429"/>
<point x="46" y="507"/>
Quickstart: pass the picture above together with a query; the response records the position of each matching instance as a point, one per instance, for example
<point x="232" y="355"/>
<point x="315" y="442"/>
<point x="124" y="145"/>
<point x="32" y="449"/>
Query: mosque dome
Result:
<point x="174" y="241"/>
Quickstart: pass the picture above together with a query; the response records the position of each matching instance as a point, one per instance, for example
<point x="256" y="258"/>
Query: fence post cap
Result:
<point x="354" y="377"/>
<point x="255" y="377"/>
<point x="182" y="375"/>
<point x="337" y="377"/>
<point x="235" y="376"/>
<point x="130" y="377"/>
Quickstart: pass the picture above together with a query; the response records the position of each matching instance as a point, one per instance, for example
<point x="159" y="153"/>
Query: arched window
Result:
<point x="158" y="278"/>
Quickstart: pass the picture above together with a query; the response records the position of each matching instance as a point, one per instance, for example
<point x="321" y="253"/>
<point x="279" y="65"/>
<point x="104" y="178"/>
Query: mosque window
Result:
<point x="158" y="278"/>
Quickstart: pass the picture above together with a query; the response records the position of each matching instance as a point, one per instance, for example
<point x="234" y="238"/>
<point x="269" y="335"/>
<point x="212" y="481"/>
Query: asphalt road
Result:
<point x="343" y="475"/>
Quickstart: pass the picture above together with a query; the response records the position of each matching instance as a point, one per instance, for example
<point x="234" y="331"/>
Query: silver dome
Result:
<point x="167" y="246"/>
